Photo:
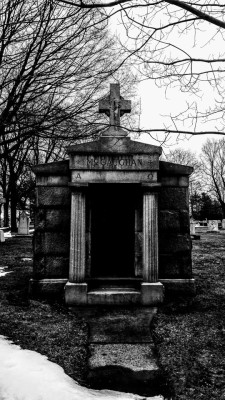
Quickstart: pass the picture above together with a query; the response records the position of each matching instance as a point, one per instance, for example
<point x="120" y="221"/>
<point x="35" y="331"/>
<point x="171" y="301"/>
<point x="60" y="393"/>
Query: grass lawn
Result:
<point x="36" y="325"/>
<point x="189" y="333"/>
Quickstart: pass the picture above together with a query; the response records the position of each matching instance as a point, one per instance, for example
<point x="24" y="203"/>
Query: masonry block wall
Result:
<point x="52" y="221"/>
<point x="53" y="216"/>
<point x="174" y="229"/>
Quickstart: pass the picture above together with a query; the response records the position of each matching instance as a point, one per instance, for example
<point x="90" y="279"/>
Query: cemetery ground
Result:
<point x="189" y="333"/>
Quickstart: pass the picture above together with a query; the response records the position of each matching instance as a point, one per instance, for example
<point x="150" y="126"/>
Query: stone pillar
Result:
<point x="77" y="238"/>
<point x="152" y="291"/>
<point x="150" y="237"/>
<point x="76" y="288"/>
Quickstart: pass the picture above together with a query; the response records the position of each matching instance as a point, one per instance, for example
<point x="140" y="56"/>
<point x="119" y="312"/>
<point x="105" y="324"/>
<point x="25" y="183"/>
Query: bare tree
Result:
<point x="187" y="157"/>
<point x="17" y="180"/>
<point x="176" y="44"/>
<point x="54" y="62"/>
<point x="213" y="158"/>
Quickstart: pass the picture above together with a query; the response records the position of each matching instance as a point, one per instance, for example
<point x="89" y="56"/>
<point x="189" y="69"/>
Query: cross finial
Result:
<point x="114" y="106"/>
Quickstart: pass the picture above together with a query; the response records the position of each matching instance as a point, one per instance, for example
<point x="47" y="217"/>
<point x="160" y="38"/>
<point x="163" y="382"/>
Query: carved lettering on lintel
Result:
<point x="117" y="162"/>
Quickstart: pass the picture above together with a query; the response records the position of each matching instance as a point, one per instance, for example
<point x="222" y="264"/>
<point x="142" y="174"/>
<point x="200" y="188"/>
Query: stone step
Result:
<point x="124" y="367"/>
<point x="114" y="295"/>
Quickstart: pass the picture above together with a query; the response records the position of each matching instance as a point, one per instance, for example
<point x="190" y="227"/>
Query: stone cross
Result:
<point x="114" y="105"/>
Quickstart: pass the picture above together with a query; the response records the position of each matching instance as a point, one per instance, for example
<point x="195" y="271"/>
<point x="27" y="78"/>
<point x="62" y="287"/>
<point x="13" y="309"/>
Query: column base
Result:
<point x="179" y="286"/>
<point x="152" y="293"/>
<point x="75" y="293"/>
<point x="46" y="287"/>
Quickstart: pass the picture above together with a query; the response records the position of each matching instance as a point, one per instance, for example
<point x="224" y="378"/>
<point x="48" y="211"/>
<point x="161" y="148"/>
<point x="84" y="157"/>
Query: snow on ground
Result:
<point x="8" y="235"/>
<point x="3" y="272"/>
<point x="27" y="375"/>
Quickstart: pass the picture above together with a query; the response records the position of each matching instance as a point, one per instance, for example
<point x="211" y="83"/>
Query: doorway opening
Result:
<point x="112" y="230"/>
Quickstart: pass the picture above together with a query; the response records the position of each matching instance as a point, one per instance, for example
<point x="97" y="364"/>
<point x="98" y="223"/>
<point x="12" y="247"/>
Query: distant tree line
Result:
<point x="207" y="182"/>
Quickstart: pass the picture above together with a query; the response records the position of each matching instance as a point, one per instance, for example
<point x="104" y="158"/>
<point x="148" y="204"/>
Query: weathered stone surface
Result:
<point x="179" y="286"/>
<point x="179" y="266"/>
<point x="53" y="196"/>
<point x="52" y="180"/>
<point x="39" y="266"/>
<point x="39" y="219"/>
<point x="55" y="168"/>
<point x="175" y="181"/>
<point x="173" y="198"/>
<point x="75" y="293"/>
<point x="174" y="221"/>
<point x="114" y="162"/>
<point x="125" y="355"/>
<point x="47" y="287"/>
<point x="174" y="243"/>
<point x="169" y="220"/>
<point x="119" y="325"/>
<point x="125" y="367"/>
<point x="58" y="219"/>
<point x="57" y="267"/>
<point x="168" y="169"/>
<point x="50" y="267"/>
<point x="117" y="296"/>
<point x="152" y="293"/>
<point x="109" y="145"/>
<point x="138" y="258"/>
<point x="113" y="176"/>
<point x="51" y="243"/>
<point x="184" y="221"/>
<point x="52" y="219"/>
<point x="150" y="237"/>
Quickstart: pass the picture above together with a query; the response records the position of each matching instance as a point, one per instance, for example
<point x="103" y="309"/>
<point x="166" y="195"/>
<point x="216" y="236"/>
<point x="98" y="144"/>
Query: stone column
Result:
<point x="152" y="291"/>
<point x="150" y="237"/>
<point x="77" y="238"/>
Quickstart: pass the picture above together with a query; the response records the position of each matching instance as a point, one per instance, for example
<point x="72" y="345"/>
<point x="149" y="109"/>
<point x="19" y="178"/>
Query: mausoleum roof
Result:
<point x="114" y="145"/>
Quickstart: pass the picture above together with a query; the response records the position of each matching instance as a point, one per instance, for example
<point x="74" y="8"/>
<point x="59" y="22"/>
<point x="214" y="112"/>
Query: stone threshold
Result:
<point x="114" y="295"/>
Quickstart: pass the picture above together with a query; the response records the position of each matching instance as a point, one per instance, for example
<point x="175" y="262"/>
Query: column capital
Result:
<point x="153" y="186"/>
<point x="79" y="186"/>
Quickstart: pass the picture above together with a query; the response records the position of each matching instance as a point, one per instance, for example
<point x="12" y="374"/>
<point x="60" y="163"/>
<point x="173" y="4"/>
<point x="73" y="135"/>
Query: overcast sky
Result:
<point x="155" y="105"/>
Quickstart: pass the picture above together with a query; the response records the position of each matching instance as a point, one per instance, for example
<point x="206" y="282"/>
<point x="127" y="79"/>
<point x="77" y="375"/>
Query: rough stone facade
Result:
<point x="52" y="229"/>
<point x="175" y="263"/>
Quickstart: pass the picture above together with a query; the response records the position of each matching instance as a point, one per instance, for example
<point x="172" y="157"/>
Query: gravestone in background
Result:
<point x="24" y="224"/>
<point x="192" y="226"/>
<point x="2" y="236"/>
<point x="213" y="225"/>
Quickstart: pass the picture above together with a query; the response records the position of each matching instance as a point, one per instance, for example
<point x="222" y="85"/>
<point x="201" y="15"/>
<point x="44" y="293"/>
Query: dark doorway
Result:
<point x="112" y="227"/>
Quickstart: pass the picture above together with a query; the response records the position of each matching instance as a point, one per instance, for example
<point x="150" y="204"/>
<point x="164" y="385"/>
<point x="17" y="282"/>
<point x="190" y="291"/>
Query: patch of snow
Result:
<point x="7" y="234"/>
<point x="27" y="375"/>
<point x="3" y="273"/>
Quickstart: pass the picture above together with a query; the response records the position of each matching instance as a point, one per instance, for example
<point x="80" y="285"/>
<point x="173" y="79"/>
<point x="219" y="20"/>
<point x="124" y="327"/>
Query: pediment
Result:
<point x="115" y="145"/>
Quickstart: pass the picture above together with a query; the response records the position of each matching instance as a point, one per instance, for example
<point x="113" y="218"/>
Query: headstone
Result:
<point x="192" y="227"/>
<point x="24" y="224"/>
<point x="223" y="223"/>
<point x="2" y="237"/>
<point x="213" y="225"/>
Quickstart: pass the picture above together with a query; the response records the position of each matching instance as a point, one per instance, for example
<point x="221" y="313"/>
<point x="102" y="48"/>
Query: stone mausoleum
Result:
<point x="112" y="221"/>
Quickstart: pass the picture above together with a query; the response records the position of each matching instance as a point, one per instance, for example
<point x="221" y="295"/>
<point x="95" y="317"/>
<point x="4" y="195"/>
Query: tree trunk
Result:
<point x="14" y="201"/>
<point x="6" y="212"/>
